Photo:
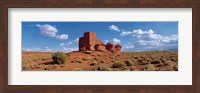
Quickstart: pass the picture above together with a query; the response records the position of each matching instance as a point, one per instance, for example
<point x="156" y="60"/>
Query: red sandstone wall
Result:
<point x="100" y="47"/>
<point x="82" y="43"/>
<point x="99" y="42"/>
<point x="89" y="42"/>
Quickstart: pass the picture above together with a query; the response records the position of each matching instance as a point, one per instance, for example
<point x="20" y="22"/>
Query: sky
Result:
<point x="133" y="36"/>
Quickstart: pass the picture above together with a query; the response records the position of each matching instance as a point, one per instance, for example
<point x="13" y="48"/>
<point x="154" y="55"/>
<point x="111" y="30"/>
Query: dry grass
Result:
<point x="100" y="61"/>
<point x="118" y="65"/>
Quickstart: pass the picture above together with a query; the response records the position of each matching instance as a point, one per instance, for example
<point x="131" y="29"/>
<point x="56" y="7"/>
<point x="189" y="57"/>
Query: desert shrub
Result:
<point x="85" y="59"/>
<point x="166" y="63"/>
<point x="76" y="61"/>
<point x="135" y="57"/>
<point x="162" y="60"/>
<point x="95" y="59"/>
<point x="150" y="67"/>
<point x="155" y="61"/>
<point x="38" y="66"/>
<point x="103" y="68"/>
<point x="128" y="63"/>
<point x="101" y="61"/>
<point x="86" y="52"/>
<point x="126" y="69"/>
<point x="94" y="64"/>
<point x="23" y="67"/>
<point x="59" y="58"/>
<point x="52" y="67"/>
<point x="46" y="68"/>
<point x="132" y="68"/>
<point x="98" y="55"/>
<point x="147" y="59"/>
<point x="142" y="62"/>
<point x="68" y="55"/>
<point x="176" y="67"/>
<point x="172" y="67"/>
<point x="118" y="65"/>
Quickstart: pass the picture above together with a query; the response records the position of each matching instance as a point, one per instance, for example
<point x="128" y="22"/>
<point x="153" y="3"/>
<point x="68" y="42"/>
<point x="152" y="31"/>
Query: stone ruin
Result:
<point x="89" y="42"/>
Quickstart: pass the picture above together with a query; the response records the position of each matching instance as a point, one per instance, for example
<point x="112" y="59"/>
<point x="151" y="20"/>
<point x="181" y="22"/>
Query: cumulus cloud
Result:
<point x="47" y="30"/>
<point x="73" y="41"/>
<point x="128" y="46"/>
<point x="31" y="49"/>
<point x="45" y="49"/>
<point x="113" y="41"/>
<point x="64" y="48"/>
<point x="62" y="37"/>
<point x="62" y="44"/>
<point x="137" y="32"/>
<point x="114" y="27"/>
<point x="149" y="40"/>
<point x="26" y="49"/>
<point x="69" y="49"/>
<point x="51" y="31"/>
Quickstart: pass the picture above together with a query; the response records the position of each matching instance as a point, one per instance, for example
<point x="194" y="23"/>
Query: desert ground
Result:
<point x="102" y="61"/>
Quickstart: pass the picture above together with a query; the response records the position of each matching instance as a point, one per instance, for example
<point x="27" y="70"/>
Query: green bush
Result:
<point x="59" y="58"/>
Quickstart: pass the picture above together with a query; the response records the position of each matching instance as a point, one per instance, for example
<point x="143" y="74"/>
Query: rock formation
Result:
<point x="89" y="42"/>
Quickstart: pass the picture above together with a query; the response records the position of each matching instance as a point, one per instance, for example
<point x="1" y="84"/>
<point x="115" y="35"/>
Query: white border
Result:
<point x="181" y="77"/>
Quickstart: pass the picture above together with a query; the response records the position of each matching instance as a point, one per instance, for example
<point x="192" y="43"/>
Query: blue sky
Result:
<point x="133" y="36"/>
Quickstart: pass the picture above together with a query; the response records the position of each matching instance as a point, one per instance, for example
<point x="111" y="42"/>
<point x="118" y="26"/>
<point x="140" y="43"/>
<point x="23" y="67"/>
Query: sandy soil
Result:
<point x="102" y="61"/>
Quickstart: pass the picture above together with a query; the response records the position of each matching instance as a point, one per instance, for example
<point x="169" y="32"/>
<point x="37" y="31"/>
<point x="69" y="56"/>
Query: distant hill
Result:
<point x="169" y="50"/>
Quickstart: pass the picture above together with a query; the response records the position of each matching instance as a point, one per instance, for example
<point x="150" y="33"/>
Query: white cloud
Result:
<point x="106" y="41"/>
<point x="73" y="41"/>
<point x="51" y="31"/>
<point x="136" y="32"/>
<point x="128" y="46"/>
<point x="149" y="40"/>
<point x="26" y="49"/>
<point x="171" y="38"/>
<point x="113" y="41"/>
<point x="124" y="33"/>
<point x="47" y="49"/>
<point x="62" y="37"/>
<point x="47" y="30"/>
<point x="70" y="42"/>
<point x="76" y="40"/>
<point x="114" y="27"/>
<point x="62" y="44"/>
<point x="64" y="48"/>
<point x="31" y="49"/>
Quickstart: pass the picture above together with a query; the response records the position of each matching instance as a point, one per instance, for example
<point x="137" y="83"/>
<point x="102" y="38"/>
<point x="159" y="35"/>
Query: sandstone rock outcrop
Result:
<point x="100" y="47"/>
<point x="89" y="42"/>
